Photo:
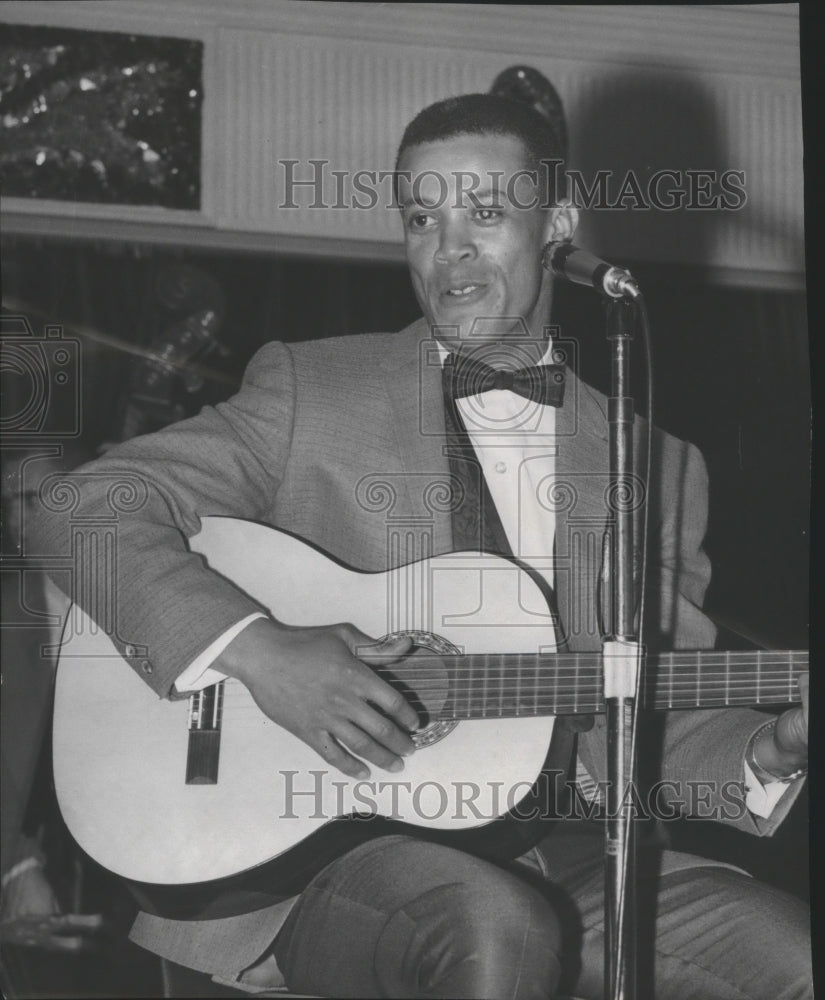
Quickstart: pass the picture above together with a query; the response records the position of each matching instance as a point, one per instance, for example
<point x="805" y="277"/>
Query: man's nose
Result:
<point x="455" y="245"/>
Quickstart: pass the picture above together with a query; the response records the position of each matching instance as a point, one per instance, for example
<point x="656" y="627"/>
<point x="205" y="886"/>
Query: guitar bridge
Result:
<point x="203" y="753"/>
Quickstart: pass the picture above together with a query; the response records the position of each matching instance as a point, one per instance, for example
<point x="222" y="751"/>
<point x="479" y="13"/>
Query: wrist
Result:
<point x="769" y="761"/>
<point x="242" y="658"/>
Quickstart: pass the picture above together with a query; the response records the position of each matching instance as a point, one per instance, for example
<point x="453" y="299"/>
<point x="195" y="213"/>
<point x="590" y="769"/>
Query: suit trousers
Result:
<point x="398" y="917"/>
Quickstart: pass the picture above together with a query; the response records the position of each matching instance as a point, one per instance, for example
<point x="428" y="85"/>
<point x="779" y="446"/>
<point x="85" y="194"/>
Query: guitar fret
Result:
<point x="758" y="677"/>
<point x="504" y="666"/>
<point x="576" y="690"/>
<point x="517" y="684"/>
<point x="727" y="678"/>
<point x="468" y="694"/>
<point x="698" y="679"/>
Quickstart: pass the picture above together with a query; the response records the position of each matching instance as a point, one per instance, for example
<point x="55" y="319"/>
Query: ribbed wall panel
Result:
<point x="288" y="96"/>
<point x="745" y="124"/>
<point x="305" y="99"/>
<point x="712" y="87"/>
<point x="740" y="38"/>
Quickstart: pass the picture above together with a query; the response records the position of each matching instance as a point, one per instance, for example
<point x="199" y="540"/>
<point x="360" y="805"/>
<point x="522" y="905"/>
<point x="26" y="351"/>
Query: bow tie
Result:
<point x="541" y="383"/>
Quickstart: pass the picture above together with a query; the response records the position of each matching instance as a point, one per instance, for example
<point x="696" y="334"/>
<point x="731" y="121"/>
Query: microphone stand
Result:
<point x="621" y="653"/>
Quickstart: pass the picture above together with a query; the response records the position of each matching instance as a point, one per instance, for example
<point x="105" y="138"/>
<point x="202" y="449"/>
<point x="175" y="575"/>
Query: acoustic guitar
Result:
<point x="181" y="792"/>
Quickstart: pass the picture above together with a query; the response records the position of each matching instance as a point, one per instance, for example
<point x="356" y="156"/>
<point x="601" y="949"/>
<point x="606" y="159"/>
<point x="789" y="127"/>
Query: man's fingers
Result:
<point x="70" y="944"/>
<point x="336" y="751"/>
<point x="803" y="682"/>
<point x="339" y="705"/>
<point x="791" y="733"/>
<point x="378" y="691"/>
<point x="376" y="652"/>
<point x="333" y="753"/>
<point x="394" y="705"/>
<point x="384" y="731"/>
<point x="58" y="932"/>
<point x="77" y="923"/>
<point x="360" y="742"/>
<point x="385" y="652"/>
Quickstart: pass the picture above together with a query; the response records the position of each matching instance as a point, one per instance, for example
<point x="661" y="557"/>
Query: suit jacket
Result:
<point x="341" y="441"/>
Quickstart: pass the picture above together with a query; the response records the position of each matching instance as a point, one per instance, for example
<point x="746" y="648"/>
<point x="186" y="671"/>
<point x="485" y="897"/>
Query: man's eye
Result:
<point x="420" y="221"/>
<point x="488" y="214"/>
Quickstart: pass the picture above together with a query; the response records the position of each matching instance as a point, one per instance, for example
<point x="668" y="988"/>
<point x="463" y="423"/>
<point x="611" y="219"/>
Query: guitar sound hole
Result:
<point x="426" y="687"/>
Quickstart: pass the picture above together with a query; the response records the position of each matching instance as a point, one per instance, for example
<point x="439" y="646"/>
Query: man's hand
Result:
<point x="791" y="734"/>
<point x="787" y="748"/>
<point x="315" y="683"/>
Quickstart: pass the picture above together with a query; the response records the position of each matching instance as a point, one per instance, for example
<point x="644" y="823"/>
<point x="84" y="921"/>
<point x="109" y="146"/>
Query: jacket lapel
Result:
<point x="413" y="381"/>
<point x="582" y="465"/>
<point x="413" y="385"/>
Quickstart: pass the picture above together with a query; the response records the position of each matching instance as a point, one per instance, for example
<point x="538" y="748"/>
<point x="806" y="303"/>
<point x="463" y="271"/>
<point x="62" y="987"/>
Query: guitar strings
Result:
<point x="547" y="696"/>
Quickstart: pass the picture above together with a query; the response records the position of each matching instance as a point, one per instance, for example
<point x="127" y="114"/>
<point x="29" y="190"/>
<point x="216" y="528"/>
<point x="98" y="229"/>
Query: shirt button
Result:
<point x="129" y="650"/>
<point x="501" y="466"/>
<point x="146" y="667"/>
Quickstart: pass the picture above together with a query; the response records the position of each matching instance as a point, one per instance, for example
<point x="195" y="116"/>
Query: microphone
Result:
<point x="584" y="268"/>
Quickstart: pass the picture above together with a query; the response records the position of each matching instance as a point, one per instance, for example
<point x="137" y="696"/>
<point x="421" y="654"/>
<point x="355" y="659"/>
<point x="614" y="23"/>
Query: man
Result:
<point x="314" y="422"/>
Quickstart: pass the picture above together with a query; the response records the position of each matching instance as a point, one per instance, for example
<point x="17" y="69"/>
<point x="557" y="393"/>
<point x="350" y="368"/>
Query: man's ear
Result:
<point x="562" y="222"/>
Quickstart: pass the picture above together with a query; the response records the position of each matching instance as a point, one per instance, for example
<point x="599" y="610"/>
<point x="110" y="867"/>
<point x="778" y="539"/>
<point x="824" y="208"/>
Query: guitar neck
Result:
<point x="509" y="685"/>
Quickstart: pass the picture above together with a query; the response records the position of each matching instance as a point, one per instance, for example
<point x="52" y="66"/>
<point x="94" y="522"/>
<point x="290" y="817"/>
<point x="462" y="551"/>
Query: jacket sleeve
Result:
<point x="691" y="760"/>
<point x="702" y="751"/>
<point x="147" y="497"/>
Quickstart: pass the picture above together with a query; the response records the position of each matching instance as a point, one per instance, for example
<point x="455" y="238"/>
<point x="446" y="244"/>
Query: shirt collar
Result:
<point x="546" y="358"/>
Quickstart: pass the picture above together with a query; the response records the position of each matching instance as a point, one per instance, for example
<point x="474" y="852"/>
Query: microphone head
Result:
<point x="565" y="260"/>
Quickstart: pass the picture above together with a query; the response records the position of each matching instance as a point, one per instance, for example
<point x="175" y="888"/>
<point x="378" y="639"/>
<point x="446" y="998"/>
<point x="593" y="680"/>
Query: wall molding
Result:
<point x="723" y="38"/>
<point x="336" y="80"/>
<point x="188" y="236"/>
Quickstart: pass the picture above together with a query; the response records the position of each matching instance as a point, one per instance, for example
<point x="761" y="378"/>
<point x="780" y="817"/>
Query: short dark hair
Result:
<point x="488" y="114"/>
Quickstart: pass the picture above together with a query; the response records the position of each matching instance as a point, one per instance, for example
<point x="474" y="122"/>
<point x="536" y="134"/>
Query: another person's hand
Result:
<point x="30" y="914"/>
<point x="315" y="683"/>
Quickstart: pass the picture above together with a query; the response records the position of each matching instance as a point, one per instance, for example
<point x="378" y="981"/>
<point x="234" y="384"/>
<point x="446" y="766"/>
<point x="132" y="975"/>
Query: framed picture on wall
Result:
<point x="101" y="117"/>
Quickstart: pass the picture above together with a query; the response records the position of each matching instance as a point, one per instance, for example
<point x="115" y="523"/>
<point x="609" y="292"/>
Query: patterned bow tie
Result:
<point x="542" y="383"/>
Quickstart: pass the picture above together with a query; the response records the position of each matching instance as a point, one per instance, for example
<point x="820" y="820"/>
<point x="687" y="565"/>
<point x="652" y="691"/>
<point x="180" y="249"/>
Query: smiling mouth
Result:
<point x="462" y="291"/>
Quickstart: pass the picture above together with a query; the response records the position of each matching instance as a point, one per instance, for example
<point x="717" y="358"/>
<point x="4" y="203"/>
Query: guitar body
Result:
<point x="120" y="753"/>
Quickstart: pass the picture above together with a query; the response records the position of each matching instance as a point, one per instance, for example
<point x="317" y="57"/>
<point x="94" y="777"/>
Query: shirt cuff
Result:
<point x="200" y="674"/>
<point x="761" y="799"/>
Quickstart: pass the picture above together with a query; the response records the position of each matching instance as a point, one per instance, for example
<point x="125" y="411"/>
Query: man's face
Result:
<point x="474" y="254"/>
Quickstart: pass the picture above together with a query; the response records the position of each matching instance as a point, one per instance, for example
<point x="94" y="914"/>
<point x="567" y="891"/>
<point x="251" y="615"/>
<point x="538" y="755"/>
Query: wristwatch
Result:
<point x="762" y="773"/>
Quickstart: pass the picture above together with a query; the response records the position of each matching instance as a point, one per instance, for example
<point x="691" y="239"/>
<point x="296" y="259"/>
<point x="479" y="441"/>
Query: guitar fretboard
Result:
<point x="508" y="685"/>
